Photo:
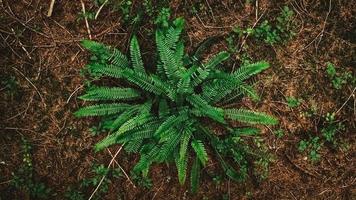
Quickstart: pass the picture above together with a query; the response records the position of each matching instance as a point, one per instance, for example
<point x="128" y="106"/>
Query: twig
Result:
<point x="20" y="129"/>
<point x="102" y="179"/>
<point x="28" y="80"/>
<point x="210" y="10"/>
<point x="50" y="10"/>
<point x="86" y="19"/>
<point x="352" y="94"/>
<point x="256" y="10"/>
<point x="70" y="96"/>
<point x="99" y="10"/>
<point x="321" y="32"/>
<point x="22" y="46"/>
<point x="123" y="171"/>
<point x="324" y="25"/>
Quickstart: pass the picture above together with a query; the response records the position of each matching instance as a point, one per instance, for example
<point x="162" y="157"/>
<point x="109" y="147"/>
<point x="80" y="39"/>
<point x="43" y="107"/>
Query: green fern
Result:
<point x="162" y="115"/>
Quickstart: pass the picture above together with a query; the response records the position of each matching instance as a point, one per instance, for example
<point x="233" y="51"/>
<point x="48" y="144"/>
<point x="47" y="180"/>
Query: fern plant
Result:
<point x="163" y="115"/>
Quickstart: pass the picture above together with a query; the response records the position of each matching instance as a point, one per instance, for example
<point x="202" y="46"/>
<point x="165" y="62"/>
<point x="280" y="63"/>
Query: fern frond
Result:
<point x="247" y="71"/>
<point x="146" y="159"/>
<point x="206" y="109"/>
<point x="195" y="175"/>
<point x="135" y="122"/>
<point x="199" y="76"/>
<point x="171" y="121"/>
<point x="167" y="57"/>
<point x="183" y="157"/>
<point x="216" y="60"/>
<point x="125" y="116"/>
<point x="163" y="109"/>
<point x="249" y="91"/>
<point x="179" y="53"/>
<point x="136" y="58"/>
<point x="96" y="48"/>
<point x="133" y="146"/>
<point x="118" y="59"/>
<point x="200" y="151"/>
<point x="102" y="109"/>
<point x="109" y="70"/>
<point x="114" y="93"/>
<point x="168" y="146"/>
<point x="216" y="90"/>
<point x="106" y="142"/>
<point x="250" y="117"/>
<point x="144" y="81"/>
<point x="139" y="132"/>
<point x="173" y="33"/>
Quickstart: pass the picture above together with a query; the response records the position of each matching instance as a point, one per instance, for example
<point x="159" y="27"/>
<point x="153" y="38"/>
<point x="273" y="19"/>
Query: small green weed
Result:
<point x="89" y="15"/>
<point x="98" y="172"/>
<point x="293" y="102"/>
<point x="329" y="129"/>
<point x="141" y="180"/>
<point x="10" y="85"/>
<point x="280" y="32"/>
<point x="279" y="133"/>
<point x="337" y="79"/>
<point x="162" y="20"/>
<point x="23" y="179"/>
<point x="312" y="145"/>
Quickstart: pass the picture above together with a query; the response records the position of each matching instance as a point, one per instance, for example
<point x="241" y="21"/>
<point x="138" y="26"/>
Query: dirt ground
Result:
<point x="45" y="59"/>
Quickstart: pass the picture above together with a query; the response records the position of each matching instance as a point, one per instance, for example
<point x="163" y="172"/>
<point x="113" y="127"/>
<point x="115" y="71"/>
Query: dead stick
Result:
<point x="102" y="179"/>
<point x="50" y="10"/>
<point x="85" y="19"/>
<point x="99" y="10"/>
<point x="122" y="169"/>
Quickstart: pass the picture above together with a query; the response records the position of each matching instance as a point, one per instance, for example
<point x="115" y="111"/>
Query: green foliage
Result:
<point x="88" y="15"/>
<point x="337" y="79"/>
<point x="72" y="194"/>
<point x="279" y="133"/>
<point x="162" y="20"/>
<point x="10" y="85"/>
<point x="293" y="102"/>
<point x="329" y="130"/>
<point x="162" y="116"/>
<point x="97" y="172"/>
<point x="281" y="31"/>
<point x="312" y="146"/>
<point x="141" y="180"/>
<point x="133" y="12"/>
<point x="24" y="180"/>
<point x="272" y="33"/>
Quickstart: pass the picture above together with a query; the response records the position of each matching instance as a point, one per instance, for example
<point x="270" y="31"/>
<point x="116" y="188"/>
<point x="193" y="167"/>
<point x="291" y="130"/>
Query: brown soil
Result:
<point x="44" y="56"/>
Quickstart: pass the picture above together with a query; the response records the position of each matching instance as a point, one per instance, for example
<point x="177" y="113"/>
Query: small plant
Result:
<point x="279" y="133"/>
<point x="339" y="79"/>
<point x="98" y="171"/>
<point x="142" y="181"/>
<point x="10" y="85"/>
<point x="281" y="31"/>
<point x="134" y="11"/>
<point x="331" y="128"/>
<point x="23" y="179"/>
<point x="328" y="135"/>
<point x="164" y="114"/>
<point x="72" y="194"/>
<point x="162" y="20"/>
<point x="293" y="102"/>
<point x="312" y="146"/>
<point x="88" y="15"/>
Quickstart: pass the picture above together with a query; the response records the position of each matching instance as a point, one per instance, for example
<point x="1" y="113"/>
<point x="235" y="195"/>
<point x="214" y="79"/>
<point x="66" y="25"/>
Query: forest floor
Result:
<point x="46" y="152"/>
